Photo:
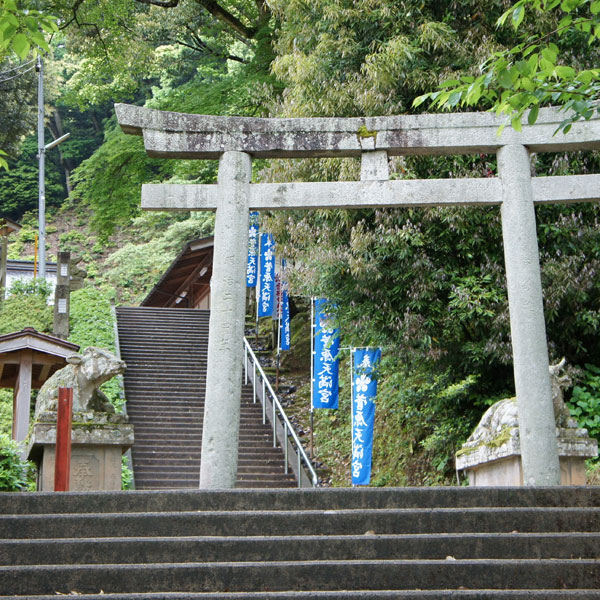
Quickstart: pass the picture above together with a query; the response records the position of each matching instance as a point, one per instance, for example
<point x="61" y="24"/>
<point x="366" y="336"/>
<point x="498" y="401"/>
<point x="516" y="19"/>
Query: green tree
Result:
<point x="22" y="34"/>
<point x="426" y="284"/>
<point x="121" y="42"/>
<point x="27" y="306"/>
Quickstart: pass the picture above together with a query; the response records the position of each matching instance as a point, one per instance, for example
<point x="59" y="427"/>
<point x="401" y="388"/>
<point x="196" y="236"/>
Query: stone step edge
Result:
<point x="483" y="594"/>
<point x="343" y="537"/>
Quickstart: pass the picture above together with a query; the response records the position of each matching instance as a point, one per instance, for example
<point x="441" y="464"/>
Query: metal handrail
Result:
<point x="121" y="382"/>
<point x="278" y="412"/>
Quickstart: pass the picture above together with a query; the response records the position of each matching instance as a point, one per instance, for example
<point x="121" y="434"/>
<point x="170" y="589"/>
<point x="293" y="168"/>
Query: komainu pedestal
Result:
<point x="98" y="440"/>
<point x="492" y="455"/>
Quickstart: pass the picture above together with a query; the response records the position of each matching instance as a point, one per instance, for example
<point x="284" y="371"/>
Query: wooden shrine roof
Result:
<point x="188" y="276"/>
<point x="49" y="354"/>
<point x="7" y="226"/>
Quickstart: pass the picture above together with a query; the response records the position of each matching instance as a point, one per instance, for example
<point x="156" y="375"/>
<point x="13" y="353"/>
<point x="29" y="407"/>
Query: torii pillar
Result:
<point x="235" y="139"/>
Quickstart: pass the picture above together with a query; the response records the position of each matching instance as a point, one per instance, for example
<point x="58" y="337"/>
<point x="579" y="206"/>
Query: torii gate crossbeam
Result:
<point x="235" y="140"/>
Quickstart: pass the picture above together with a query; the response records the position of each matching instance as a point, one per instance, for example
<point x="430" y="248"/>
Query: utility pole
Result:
<point x="42" y="147"/>
<point x="42" y="167"/>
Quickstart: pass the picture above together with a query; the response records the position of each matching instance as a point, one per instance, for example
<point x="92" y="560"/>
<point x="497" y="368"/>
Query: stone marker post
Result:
<point x="528" y="331"/>
<point x="62" y="295"/>
<point x="226" y="327"/>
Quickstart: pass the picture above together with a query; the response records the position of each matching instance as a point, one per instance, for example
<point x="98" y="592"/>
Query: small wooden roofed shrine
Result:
<point x="27" y="359"/>
<point x="186" y="283"/>
<point x="7" y="227"/>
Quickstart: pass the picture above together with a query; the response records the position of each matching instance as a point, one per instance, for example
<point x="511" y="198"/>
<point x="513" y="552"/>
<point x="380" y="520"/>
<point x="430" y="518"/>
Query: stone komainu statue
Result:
<point x="503" y="415"/>
<point x="85" y="373"/>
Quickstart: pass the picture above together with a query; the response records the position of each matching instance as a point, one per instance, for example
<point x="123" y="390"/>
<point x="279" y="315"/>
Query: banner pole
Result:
<point x="351" y="410"/>
<point x="312" y="375"/>
<point x="279" y="310"/>
<point x="257" y="286"/>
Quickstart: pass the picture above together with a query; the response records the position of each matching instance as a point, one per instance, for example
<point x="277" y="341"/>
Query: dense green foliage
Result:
<point x="19" y="186"/>
<point x="23" y="32"/>
<point x="137" y="266"/>
<point x="15" y="473"/>
<point x="585" y="402"/>
<point x="558" y="65"/>
<point x="427" y="285"/>
<point x="26" y="306"/>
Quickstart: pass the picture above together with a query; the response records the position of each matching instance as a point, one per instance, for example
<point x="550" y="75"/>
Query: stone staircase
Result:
<point x="348" y="544"/>
<point x="165" y="350"/>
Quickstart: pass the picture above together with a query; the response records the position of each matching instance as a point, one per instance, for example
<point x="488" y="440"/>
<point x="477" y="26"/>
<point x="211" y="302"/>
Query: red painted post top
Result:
<point x="62" y="463"/>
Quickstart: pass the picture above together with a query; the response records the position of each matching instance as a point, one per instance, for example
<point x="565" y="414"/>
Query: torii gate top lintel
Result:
<point x="180" y="135"/>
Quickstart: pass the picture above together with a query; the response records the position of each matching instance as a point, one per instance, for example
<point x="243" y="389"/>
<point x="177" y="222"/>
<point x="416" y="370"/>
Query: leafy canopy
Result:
<point x="556" y="66"/>
<point x="22" y="33"/>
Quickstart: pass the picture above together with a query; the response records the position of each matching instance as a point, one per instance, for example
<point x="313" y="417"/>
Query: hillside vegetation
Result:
<point x="427" y="285"/>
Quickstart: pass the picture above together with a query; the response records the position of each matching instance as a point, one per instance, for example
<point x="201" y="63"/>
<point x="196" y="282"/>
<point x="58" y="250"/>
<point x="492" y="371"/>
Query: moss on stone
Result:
<point x="497" y="442"/>
<point x="363" y="132"/>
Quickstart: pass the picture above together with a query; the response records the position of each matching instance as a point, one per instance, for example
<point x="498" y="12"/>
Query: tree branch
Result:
<point x="161" y="3"/>
<point x="203" y="46"/>
<point x="200" y="46"/>
<point x="217" y="11"/>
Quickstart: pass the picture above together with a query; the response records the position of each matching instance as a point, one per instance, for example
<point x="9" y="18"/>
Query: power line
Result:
<point x="17" y="67"/>
<point x="17" y="75"/>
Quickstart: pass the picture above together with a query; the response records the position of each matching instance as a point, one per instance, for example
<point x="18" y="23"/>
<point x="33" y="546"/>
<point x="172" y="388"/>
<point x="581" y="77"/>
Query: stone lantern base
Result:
<point x="98" y="441"/>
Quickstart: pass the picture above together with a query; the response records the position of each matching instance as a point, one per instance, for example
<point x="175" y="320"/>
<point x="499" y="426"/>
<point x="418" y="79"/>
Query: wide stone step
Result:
<point x="194" y="433"/>
<point x="450" y="499"/>
<point x="268" y="455"/>
<point x="183" y="424"/>
<point x="286" y="522"/>
<point x="462" y="594"/>
<point x="121" y="550"/>
<point x="168" y="467"/>
<point x="160" y="400"/>
<point x="185" y="373"/>
<point x="190" y="383"/>
<point x="302" y="575"/>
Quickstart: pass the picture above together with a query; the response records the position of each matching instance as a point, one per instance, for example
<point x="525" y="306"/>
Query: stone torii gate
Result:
<point x="236" y="140"/>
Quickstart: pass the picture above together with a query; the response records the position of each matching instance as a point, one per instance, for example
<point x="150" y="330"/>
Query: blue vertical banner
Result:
<point x="326" y="363"/>
<point x="364" y="391"/>
<point x="285" y="333"/>
<point x="266" y="295"/>
<point x="252" y="268"/>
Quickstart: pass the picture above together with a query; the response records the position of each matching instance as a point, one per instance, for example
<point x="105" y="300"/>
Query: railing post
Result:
<point x="264" y="401"/>
<point x="299" y="470"/>
<point x="245" y="364"/>
<point x="285" y="442"/>
<point x="274" y="427"/>
<point x="254" y="380"/>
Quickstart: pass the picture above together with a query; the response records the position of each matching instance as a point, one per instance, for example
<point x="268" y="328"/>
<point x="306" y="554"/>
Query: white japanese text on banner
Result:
<point x="252" y="268"/>
<point x="326" y="362"/>
<point x="266" y="295"/>
<point x="364" y="391"/>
